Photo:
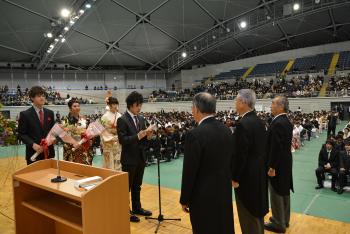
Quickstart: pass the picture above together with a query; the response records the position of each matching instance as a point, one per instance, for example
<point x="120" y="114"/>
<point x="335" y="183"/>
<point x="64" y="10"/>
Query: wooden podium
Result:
<point x="43" y="207"/>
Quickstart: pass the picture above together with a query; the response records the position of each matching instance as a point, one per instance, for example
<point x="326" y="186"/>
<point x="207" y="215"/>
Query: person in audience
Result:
<point x="328" y="161"/>
<point x="133" y="135"/>
<point x="280" y="165"/>
<point x="249" y="175"/>
<point x="206" y="192"/>
<point x="76" y="125"/>
<point x="34" y="124"/>
<point x="344" y="166"/>
<point x="110" y="143"/>
<point x="332" y="123"/>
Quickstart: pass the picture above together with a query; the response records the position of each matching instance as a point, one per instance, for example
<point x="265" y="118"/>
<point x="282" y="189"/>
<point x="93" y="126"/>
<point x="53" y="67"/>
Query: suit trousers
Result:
<point x="280" y="206"/>
<point x="249" y="223"/>
<point x="135" y="173"/>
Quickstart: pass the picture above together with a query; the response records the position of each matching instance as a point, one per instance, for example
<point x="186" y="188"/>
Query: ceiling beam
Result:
<point x="127" y="32"/>
<point x="116" y="48"/>
<point x="18" y="50"/>
<point x="331" y="16"/>
<point x="293" y="36"/>
<point x="147" y="20"/>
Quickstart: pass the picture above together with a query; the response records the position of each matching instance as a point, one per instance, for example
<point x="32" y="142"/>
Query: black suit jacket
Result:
<point x="249" y="164"/>
<point x="30" y="130"/>
<point x="279" y="154"/>
<point x="206" y="178"/>
<point x="133" y="149"/>
<point x="344" y="160"/>
<point x="333" y="159"/>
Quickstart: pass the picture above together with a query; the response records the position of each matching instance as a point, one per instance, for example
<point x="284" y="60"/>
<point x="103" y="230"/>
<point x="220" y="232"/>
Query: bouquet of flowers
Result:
<point x="7" y="131"/>
<point x="94" y="129"/>
<point x="56" y="131"/>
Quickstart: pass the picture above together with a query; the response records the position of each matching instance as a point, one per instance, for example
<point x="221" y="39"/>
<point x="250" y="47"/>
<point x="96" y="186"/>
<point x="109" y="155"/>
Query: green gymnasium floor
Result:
<point x="306" y="200"/>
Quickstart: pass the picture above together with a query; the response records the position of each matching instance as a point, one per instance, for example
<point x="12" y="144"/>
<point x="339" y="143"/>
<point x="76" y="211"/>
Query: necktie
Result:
<point x="137" y="123"/>
<point x="329" y="155"/>
<point x="41" y="117"/>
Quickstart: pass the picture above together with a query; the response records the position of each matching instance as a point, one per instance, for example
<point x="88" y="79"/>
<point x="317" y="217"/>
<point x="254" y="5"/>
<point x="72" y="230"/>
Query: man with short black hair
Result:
<point x="132" y="135"/>
<point x="328" y="161"/>
<point x="35" y="123"/>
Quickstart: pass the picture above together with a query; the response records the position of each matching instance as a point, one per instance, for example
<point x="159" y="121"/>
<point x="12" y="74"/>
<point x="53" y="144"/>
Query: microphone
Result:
<point x="158" y="122"/>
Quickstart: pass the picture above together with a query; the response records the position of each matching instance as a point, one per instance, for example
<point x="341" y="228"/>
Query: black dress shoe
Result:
<point x="340" y="191"/>
<point x="319" y="187"/>
<point x="134" y="219"/>
<point x="143" y="212"/>
<point x="272" y="228"/>
<point x="334" y="189"/>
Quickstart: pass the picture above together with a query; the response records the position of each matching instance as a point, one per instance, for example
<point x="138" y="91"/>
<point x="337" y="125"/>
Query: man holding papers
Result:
<point x="132" y="135"/>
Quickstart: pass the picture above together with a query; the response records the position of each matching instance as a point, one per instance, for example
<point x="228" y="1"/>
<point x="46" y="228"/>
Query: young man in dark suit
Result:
<point x="206" y="191"/>
<point x="328" y="161"/>
<point x="35" y="123"/>
<point x="132" y="135"/>
<point x="344" y="166"/>
<point x="249" y="176"/>
<point x="280" y="163"/>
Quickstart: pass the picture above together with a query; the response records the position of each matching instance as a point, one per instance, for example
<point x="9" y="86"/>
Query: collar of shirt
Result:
<point x="245" y="113"/>
<point x="278" y="116"/>
<point x="207" y="117"/>
<point x="37" y="110"/>
<point x="131" y="114"/>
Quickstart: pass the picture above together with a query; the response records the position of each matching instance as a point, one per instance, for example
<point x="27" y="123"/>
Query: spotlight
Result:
<point x="243" y="24"/>
<point x="63" y="39"/>
<point x="81" y="11"/>
<point x="317" y="1"/>
<point x="49" y="35"/>
<point x="296" y="6"/>
<point x="48" y="51"/>
<point x="51" y="46"/>
<point x="56" y="40"/>
<point x="184" y="54"/>
<point x="195" y="47"/>
<point x="214" y="37"/>
<point x="71" y="22"/>
<point x="65" y="13"/>
<point x="66" y="28"/>
<point x="88" y="6"/>
<point x="228" y="30"/>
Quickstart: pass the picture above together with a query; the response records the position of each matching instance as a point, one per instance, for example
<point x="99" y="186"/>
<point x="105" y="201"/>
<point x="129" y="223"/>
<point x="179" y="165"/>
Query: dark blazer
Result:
<point x="133" y="149"/>
<point x="249" y="164"/>
<point x="344" y="160"/>
<point x="30" y="130"/>
<point x="206" y="178"/>
<point x="333" y="159"/>
<point x="279" y="154"/>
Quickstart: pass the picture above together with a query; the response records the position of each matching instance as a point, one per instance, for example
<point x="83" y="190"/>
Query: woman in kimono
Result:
<point x="76" y="125"/>
<point x="110" y="143"/>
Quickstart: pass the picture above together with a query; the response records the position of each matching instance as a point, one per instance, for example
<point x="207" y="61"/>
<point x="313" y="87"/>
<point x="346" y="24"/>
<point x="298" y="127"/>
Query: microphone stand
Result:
<point x="160" y="217"/>
<point x="58" y="178"/>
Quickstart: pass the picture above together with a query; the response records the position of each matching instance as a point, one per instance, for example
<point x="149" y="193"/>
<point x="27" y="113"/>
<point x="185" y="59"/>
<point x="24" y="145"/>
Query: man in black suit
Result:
<point x="132" y="135"/>
<point x="332" y="123"/>
<point x="280" y="163"/>
<point x="344" y="166"/>
<point x="35" y="123"/>
<point x="249" y="165"/>
<point x="328" y="161"/>
<point x="206" y="191"/>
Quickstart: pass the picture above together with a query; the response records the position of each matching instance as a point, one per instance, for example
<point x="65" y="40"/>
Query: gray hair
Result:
<point x="205" y="103"/>
<point x="248" y="97"/>
<point x="283" y="102"/>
